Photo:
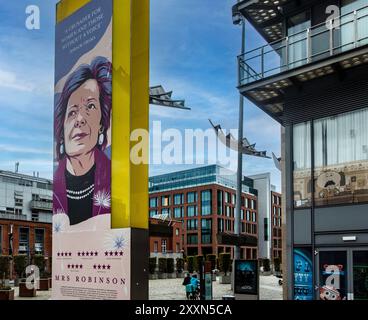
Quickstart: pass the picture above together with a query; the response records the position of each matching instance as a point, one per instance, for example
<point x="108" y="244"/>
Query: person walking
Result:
<point x="188" y="286"/>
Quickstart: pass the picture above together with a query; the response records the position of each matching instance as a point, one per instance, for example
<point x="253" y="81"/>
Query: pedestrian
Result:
<point x="188" y="287"/>
<point x="194" y="284"/>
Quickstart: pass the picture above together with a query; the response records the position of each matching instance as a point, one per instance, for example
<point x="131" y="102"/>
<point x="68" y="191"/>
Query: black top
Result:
<point x="80" y="192"/>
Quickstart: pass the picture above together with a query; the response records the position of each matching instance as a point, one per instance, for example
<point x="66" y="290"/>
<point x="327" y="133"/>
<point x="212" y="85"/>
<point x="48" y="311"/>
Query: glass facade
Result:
<point x="302" y="149"/>
<point x="340" y="170"/>
<point x="206" y="202"/>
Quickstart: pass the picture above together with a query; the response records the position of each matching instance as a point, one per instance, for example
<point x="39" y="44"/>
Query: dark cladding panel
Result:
<point x="340" y="218"/>
<point x="327" y="97"/>
<point x="302" y="227"/>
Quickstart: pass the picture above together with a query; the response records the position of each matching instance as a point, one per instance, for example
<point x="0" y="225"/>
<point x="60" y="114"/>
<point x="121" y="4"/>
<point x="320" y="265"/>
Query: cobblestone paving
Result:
<point x="172" y="289"/>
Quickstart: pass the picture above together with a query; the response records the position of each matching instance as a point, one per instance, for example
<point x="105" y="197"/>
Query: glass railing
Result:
<point x="332" y="37"/>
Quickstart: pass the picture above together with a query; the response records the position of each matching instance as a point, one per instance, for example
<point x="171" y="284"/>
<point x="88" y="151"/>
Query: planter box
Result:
<point x="180" y="275"/>
<point x="25" y="292"/>
<point x="153" y="276"/>
<point x="7" y="294"/>
<point x="171" y="275"/>
<point x="162" y="275"/>
<point x="225" y="279"/>
<point x="43" y="285"/>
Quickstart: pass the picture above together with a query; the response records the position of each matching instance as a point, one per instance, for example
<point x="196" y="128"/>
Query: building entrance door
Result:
<point x="342" y="273"/>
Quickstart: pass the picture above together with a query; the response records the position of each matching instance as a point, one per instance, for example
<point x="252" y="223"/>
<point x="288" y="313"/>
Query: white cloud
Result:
<point x="20" y="149"/>
<point x="10" y="80"/>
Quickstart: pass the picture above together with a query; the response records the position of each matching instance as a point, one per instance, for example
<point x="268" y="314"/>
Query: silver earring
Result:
<point x="61" y="148"/>
<point x="101" y="138"/>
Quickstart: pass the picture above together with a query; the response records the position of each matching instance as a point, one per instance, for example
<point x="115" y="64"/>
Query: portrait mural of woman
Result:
<point x="82" y="180"/>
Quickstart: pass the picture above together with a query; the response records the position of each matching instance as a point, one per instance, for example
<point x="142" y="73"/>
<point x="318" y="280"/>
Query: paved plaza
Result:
<point x="172" y="289"/>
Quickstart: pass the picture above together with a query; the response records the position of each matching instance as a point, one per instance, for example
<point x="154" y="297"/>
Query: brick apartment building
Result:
<point x="165" y="237"/>
<point x="203" y="199"/>
<point x="26" y="213"/>
<point x="276" y="242"/>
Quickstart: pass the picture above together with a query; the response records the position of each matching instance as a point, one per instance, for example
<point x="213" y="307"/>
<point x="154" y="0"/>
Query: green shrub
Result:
<point x="20" y="264"/>
<point x="179" y="265"/>
<point x="266" y="265"/>
<point x="212" y="258"/>
<point x="225" y="262"/>
<point x="198" y="262"/>
<point x="4" y="267"/>
<point x="40" y="262"/>
<point x="170" y="265"/>
<point x="152" y="265"/>
<point x="190" y="262"/>
<point x="162" y="265"/>
<point x="277" y="264"/>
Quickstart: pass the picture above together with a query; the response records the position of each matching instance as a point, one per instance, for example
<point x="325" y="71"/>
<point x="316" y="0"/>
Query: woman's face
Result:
<point x="82" y="119"/>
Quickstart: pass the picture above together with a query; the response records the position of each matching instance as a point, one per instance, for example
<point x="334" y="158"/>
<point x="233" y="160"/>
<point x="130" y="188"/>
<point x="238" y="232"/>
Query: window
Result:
<point x="206" y="207"/>
<point x="179" y="198"/>
<point x="166" y="211"/>
<point x="341" y="158"/>
<point x="192" y="239"/>
<point x="220" y="225"/>
<point x="191" y="197"/>
<point x="228" y="211"/>
<point x="254" y="218"/>
<point x="178" y="212"/>
<point x="297" y="54"/>
<point x="23" y="241"/>
<point x="302" y="165"/>
<point x="219" y="202"/>
<point x="163" y="245"/>
<point x="177" y="232"/>
<point x="153" y="213"/>
<point x="35" y="217"/>
<point x="192" y="224"/>
<point x="206" y="231"/>
<point x="248" y="215"/>
<point x="227" y="197"/>
<point x="155" y="246"/>
<point x="177" y="247"/>
<point x="242" y="214"/>
<point x="233" y="199"/>
<point x="39" y="241"/>
<point x="265" y="223"/>
<point x="165" y="201"/>
<point x="254" y="253"/>
<point x="254" y="204"/>
<point x="192" y="211"/>
<point x="153" y="202"/>
<point x="1" y="240"/>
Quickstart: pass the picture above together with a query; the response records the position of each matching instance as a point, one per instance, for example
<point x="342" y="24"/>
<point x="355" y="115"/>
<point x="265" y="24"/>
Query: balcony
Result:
<point x="11" y="216"/>
<point x="41" y="205"/>
<point x="266" y="72"/>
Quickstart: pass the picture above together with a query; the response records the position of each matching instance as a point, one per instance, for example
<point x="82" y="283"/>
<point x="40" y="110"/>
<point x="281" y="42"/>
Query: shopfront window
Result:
<point x="341" y="159"/>
<point x="302" y="165"/>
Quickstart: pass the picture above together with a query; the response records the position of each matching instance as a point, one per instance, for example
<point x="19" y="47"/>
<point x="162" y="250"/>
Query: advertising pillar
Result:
<point x="100" y="199"/>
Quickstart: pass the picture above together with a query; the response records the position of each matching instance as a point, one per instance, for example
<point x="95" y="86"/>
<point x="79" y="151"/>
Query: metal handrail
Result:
<point x="249" y="73"/>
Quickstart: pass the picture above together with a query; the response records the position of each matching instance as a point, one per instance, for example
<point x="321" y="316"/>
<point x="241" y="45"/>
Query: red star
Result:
<point x="121" y="253"/>
<point x="116" y="253"/>
<point x="108" y="267"/>
<point x="99" y="267"/>
<point x="80" y="267"/>
<point x="106" y="253"/>
<point x="96" y="253"/>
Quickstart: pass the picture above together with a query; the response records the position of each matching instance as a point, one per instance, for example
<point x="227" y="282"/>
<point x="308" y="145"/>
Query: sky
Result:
<point x="193" y="50"/>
